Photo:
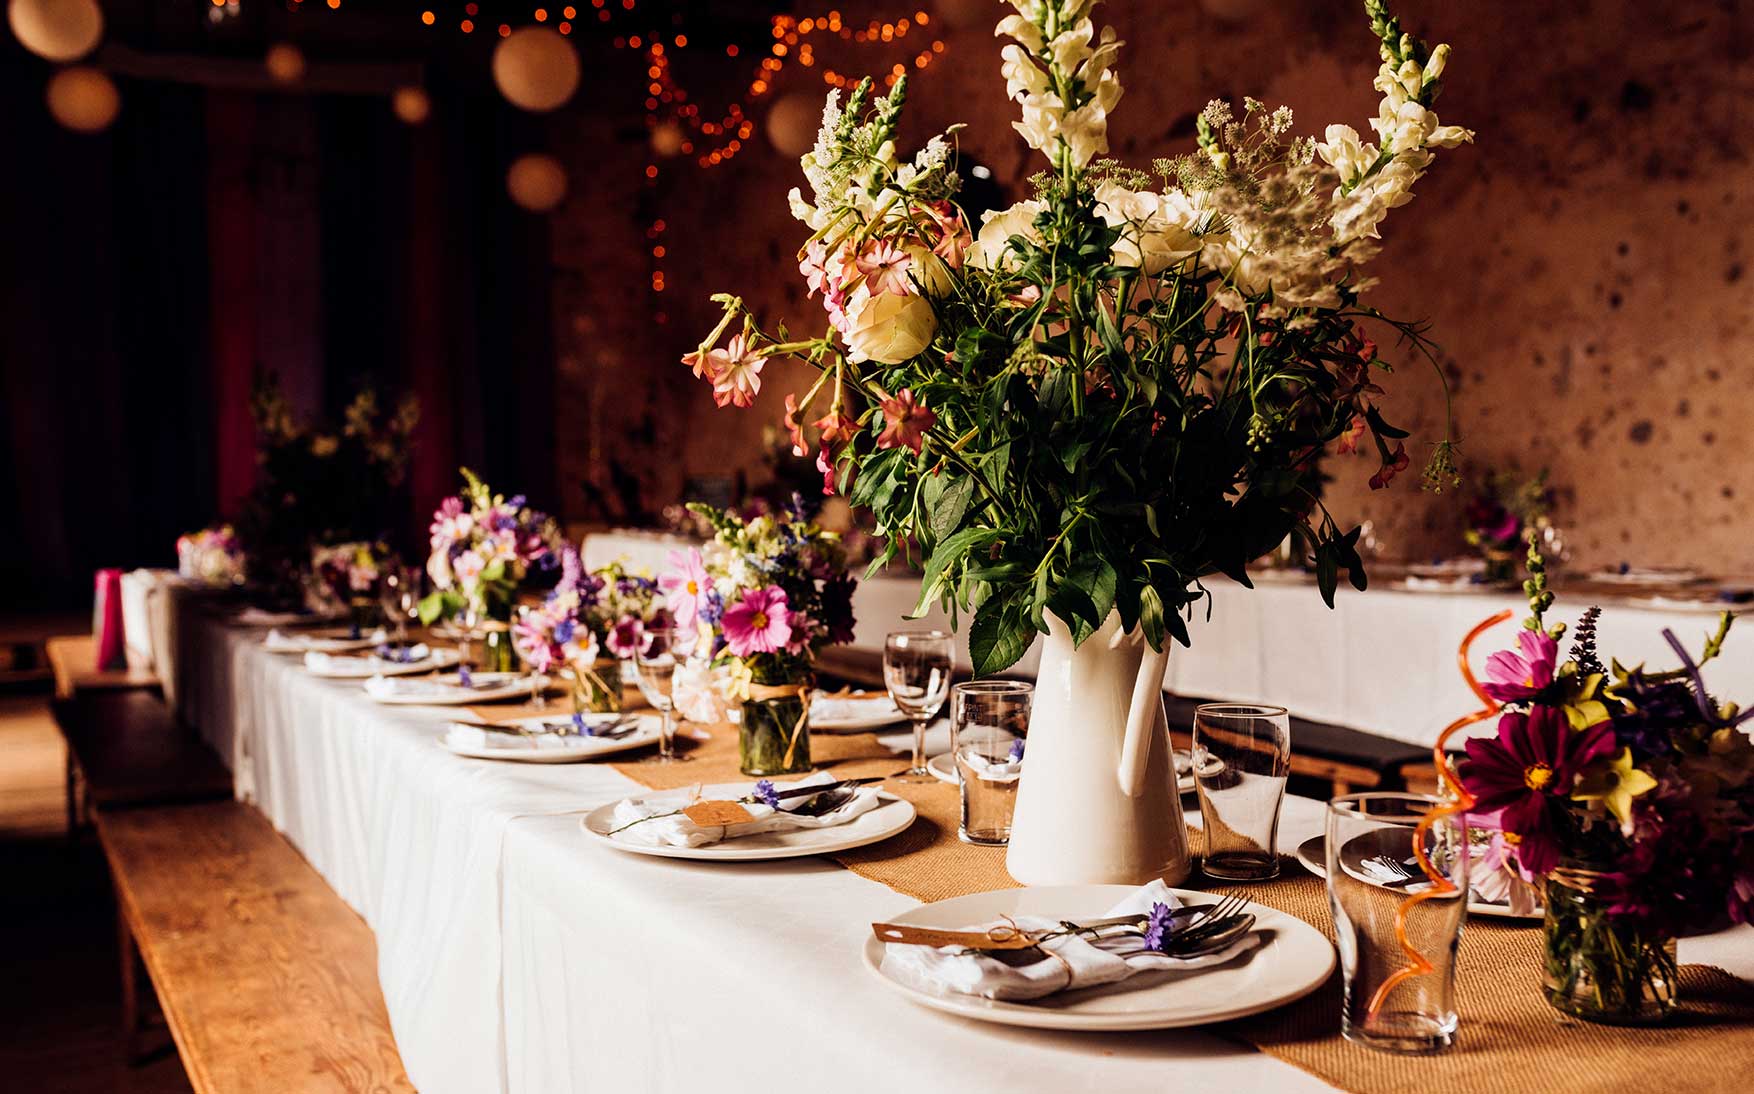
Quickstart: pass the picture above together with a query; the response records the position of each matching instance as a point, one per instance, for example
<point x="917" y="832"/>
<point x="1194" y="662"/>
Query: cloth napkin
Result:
<point x="257" y="617"/>
<point x="399" y="687"/>
<point x="848" y="708"/>
<point x="301" y="643"/>
<point x="336" y="664"/>
<point x="1076" y="961"/>
<point x="459" y="735"/>
<point x="679" y="831"/>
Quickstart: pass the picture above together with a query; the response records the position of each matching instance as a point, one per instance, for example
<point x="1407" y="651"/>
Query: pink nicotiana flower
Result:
<point x="758" y="623"/>
<point x="1512" y="677"/>
<point x="885" y="267"/>
<point x="905" y="421"/>
<point x="686" y="586"/>
<point x="737" y="378"/>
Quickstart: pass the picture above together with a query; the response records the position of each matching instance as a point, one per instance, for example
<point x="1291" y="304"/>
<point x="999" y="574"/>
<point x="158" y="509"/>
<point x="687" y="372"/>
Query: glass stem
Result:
<point x="667" y="736"/>
<point x="919" y="748"/>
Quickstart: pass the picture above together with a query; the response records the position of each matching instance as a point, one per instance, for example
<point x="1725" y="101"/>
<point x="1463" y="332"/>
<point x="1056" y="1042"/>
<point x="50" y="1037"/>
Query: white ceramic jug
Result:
<point x="1097" y="802"/>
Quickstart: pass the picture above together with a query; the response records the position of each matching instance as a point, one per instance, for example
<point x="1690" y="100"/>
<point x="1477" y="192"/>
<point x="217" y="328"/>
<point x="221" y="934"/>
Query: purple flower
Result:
<point x="765" y="793"/>
<point x="580" y="726"/>
<point x="1511" y="678"/>
<point x="1531" y="764"/>
<point x="465" y="679"/>
<point x="1016" y="753"/>
<point x="1157" y="926"/>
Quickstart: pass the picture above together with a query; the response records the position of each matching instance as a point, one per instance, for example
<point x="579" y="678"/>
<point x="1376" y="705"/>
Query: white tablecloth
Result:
<point x="516" y="955"/>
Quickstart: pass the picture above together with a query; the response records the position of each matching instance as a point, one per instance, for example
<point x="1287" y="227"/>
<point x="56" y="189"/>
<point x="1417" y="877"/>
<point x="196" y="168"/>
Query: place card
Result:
<point x="994" y="938"/>
<point x="717" y="814"/>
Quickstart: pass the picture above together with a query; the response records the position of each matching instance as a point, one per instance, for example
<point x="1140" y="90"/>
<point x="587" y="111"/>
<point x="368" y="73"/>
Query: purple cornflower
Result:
<point x="464" y="678"/>
<point x="1157" y="927"/>
<point x="580" y="726"/>
<point x="765" y="793"/>
<point x="1016" y="753"/>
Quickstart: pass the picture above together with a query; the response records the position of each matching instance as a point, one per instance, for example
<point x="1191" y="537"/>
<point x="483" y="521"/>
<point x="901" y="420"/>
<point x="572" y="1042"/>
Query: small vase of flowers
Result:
<point x="591" y="622"/>
<point x="213" y="556"/>
<point x="347" y="575"/>
<point x="766" y="596"/>
<point x="1629" y="794"/>
<point x="483" y="546"/>
<point x="1502" y="514"/>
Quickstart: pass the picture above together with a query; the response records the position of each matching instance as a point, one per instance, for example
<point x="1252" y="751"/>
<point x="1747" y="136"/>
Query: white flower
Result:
<point x="988" y="250"/>
<point x="888" y="328"/>
<point x="1016" y="26"/>
<point x="927" y="270"/>
<point x="1155" y="232"/>
<point x="1346" y="153"/>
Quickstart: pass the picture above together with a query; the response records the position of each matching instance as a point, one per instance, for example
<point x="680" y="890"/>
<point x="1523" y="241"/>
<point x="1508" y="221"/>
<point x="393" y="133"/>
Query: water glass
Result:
<point x="989" y="720"/>
<point x="1394" y="1001"/>
<point x="656" y="663"/>
<point x="1242" y="757"/>
<point x="916" y="670"/>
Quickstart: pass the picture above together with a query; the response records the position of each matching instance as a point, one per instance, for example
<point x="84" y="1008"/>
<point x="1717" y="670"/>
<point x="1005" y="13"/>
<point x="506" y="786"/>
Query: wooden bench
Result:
<point x="125" y="749"/>
<point x="73" y="659"/>
<point x="267" y="980"/>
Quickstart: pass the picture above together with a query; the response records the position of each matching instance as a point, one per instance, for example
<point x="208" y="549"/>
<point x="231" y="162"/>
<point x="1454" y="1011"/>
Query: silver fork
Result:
<point x="1392" y="865"/>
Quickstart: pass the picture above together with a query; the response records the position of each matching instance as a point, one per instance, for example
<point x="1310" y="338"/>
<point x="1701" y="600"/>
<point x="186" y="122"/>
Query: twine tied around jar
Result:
<point x="764" y="692"/>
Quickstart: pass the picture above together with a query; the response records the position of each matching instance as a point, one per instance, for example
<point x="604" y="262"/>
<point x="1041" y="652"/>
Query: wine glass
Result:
<point x="916" y="670"/>
<point x="399" y="598"/>
<point x="468" y="622"/>
<point x="657" y="660"/>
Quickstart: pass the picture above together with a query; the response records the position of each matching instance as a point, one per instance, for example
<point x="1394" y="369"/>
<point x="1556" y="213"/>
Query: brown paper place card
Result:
<point x="717" y="814"/>
<point x="998" y="938"/>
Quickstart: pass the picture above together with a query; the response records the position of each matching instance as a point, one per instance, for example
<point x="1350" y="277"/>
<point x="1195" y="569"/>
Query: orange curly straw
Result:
<point x="1419" y="965"/>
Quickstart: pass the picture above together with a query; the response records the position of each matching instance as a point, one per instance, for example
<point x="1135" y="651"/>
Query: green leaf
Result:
<point x="951" y="506"/>
<point x="437" y="605"/>
<point x="1151" y="616"/>
<point x="948" y="554"/>
<point x="999" y="636"/>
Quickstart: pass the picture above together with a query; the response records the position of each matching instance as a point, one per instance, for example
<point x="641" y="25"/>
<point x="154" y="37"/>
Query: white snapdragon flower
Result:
<point x="988" y="251"/>
<point x="1022" y="75"/>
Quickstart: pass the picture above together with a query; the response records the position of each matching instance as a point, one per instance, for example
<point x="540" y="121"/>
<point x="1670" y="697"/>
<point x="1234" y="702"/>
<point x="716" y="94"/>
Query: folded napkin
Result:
<point x="301" y="643"/>
<point x="461" y="735"/>
<point x="679" y="831"/>
<point x="258" y="617"/>
<point x="1073" y="961"/>
<point x="400" y="687"/>
<point x="850" y="708"/>
<point x="337" y="664"/>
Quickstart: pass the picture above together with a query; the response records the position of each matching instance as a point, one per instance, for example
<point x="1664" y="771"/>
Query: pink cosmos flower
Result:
<point x="905" y="421"/>
<point x="884" y="267"/>
<point x="758" y="623"/>
<point x="468" y="567"/>
<point x="1512" y="677"/>
<point x="686" y="586"/>
<point x="738" y="376"/>
<point x="627" y="637"/>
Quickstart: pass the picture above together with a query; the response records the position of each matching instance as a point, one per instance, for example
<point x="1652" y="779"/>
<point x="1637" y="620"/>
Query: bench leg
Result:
<point x="72" y="795"/>
<point x="131" y="1052"/>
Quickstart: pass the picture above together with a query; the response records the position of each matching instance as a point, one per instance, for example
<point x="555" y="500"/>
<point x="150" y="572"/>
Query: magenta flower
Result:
<point x="1511" y="677"/>
<point x="758" y="623"/>
<point x="905" y="421"/>
<point x="686" y="586"/>
<point x="627" y="637"/>
<point x="1532" y="763"/>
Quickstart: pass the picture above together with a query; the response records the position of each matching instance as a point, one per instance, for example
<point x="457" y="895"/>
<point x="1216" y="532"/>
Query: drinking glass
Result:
<point x="656" y="663"/>
<point x="916" y="670"/>
<point x="989" y="720"/>
<point x="468" y="622"/>
<point x="1242" y="756"/>
<point x="1393" y="1002"/>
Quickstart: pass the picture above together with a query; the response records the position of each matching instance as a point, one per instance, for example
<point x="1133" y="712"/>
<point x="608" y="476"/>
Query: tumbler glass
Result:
<point x="989" y="720"/>
<point x="1397" y="929"/>
<point x="1242" y="756"/>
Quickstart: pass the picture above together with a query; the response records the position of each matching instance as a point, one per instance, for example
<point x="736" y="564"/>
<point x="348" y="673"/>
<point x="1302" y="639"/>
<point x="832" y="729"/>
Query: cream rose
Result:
<point x="998" y="227"/>
<point x="1156" y="231"/>
<point x="888" y="328"/>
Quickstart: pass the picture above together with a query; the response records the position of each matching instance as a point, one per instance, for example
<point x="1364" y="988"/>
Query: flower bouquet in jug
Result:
<point x="1115" y="388"/>
<point x="765" y="596"/>
<point x="590" y="623"/>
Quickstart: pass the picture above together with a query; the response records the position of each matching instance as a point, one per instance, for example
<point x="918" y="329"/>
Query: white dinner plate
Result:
<point x="850" y="714"/>
<point x="341" y="667"/>
<point x="892" y="815"/>
<point x="1291" y="960"/>
<point x="1647" y="576"/>
<point x="575" y="750"/>
<point x="447" y="690"/>
<point x="1313" y="854"/>
<point x="327" y="640"/>
<point x="943" y="766"/>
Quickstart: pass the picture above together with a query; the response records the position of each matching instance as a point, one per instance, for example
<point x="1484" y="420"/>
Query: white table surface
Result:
<point x="516" y="955"/>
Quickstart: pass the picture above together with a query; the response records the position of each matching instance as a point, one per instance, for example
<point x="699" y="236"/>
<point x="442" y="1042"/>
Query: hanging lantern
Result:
<point x="536" y="181"/>
<point x="536" y="69"/>
<point x="83" y="99"/>
<point x="285" y="64"/>
<point x="411" y="105"/>
<point x="793" y="121"/>
<point x="56" y="30"/>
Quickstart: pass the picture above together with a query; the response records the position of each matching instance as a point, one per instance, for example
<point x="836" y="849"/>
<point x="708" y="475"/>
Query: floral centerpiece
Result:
<point x="212" y="556"/>
<point x="349" y="576"/>
<point x="320" y="484"/>
<point x="483" y="546"/>
<point x="1628" y="793"/>
<point x="1119" y="385"/>
<point x="765" y="596"/>
<point x="589" y="622"/>
<point x="1501" y="515"/>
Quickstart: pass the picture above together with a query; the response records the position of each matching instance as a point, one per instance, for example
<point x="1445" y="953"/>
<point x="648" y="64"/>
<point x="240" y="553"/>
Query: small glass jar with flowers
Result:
<point x="766" y="596"/>
<point x="1629" y="795"/>
<point x="347" y="576"/>
<point x="213" y="556"/>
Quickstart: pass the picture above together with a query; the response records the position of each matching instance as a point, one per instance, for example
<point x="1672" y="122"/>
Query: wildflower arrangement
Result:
<point x="588" y="613"/>
<point x="1500" y="516"/>
<point x="213" y="556"/>
<point x="351" y="571"/>
<point x="1628" y="791"/>
<point x="1119" y="385"/>
<point x="483" y="546"/>
<point x="318" y="483"/>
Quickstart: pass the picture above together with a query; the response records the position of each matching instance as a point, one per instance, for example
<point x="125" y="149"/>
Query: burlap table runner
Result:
<point x="1511" y="1041"/>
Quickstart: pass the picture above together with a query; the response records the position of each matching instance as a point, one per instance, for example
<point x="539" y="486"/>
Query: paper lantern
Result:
<point x="536" y="181"/>
<point x="970" y="13"/>
<point x="793" y="121"/>
<point x="83" y="99"/>
<point x="667" y="139"/>
<point x="536" y="68"/>
<point x="1233" y="11"/>
<point x="411" y="105"/>
<point x="286" y="65"/>
<point x="56" y="30"/>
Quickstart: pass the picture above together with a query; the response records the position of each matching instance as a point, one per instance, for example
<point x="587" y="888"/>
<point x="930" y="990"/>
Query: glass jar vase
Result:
<point x="497" y="654"/>
<point x="774" y="738"/>
<point x="1601" y="967"/>
<point x="362" y="616"/>
<point x="596" y="687"/>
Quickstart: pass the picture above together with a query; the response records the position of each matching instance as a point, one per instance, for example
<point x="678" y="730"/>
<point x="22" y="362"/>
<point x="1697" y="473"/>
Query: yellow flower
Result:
<point x="1614" y="785"/>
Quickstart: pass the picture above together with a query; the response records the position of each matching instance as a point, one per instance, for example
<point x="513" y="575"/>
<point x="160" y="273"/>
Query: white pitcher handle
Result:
<point x="1147" y="700"/>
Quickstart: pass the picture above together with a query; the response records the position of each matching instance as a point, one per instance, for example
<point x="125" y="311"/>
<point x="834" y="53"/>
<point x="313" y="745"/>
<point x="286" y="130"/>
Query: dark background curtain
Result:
<point x="152" y="271"/>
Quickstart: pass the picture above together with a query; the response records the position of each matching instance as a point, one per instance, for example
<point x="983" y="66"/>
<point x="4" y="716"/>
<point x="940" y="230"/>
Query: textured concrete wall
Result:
<point x="1584" y="265"/>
